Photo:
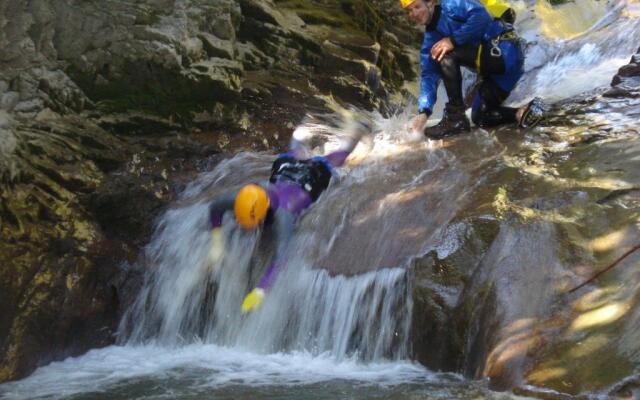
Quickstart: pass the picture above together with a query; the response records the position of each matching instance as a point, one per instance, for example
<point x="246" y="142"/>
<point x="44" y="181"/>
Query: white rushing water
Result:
<point x="186" y="298"/>
<point x="557" y="69"/>
<point x="210" y="365"/>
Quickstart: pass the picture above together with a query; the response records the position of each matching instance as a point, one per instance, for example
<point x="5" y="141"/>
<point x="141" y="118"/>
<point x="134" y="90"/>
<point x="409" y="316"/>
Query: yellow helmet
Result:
<point x="251" y="206"/>
<point x="496" y="8"/>
<point x="406" y="3"/>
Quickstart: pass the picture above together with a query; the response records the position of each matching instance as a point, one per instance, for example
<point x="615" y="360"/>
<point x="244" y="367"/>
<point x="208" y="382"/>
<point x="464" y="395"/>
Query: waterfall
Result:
<point x="346" y="287"/>
<point x="186" y="299"/>
<point x="597" y="39"/>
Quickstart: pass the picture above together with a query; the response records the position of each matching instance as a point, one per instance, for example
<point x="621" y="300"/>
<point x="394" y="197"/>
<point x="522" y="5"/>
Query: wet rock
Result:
<point x="627" y="389"/>
<point x="9" y="100"/>
<point x="77" y="203"/>
<point x="515" y="320"/>
<point x="440" y="277"/>
<point x="628" y="72"/>
<point x="617" y="91"/>
<point x="631" y="69"/>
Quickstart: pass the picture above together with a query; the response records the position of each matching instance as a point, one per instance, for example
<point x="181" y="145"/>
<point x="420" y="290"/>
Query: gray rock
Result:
<point x="29" y="106"/>
<point x="216" y="47"/>
<point x="223" y="28"/>
<point x="220" y="70"/>
<point x="631" y="69"/>
<point x="9" y="100"/>
<point x="8" y="143"/>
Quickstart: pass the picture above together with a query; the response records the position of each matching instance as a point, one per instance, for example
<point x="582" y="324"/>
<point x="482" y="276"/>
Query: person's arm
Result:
<point x="354" y="132"/>
<point x="217" y="208"/>
<point x="300" y="136"/>
<point x="429" y="75"/>
<point x="475" y="17"/>
<point x="283" y="227"/>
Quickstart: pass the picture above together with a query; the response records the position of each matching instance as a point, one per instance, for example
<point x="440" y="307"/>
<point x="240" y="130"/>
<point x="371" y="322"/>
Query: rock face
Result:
<point x="559" y="204"/>
<point x="627" y="78"/>
<point x="105" y="109"/>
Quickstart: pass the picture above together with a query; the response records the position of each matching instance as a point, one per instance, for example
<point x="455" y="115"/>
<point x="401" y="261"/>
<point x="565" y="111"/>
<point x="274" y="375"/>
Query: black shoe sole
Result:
<point x="533" y="114"/>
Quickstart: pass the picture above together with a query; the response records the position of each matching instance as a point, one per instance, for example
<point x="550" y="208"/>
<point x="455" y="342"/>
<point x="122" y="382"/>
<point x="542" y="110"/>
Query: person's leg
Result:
<point x="284" y="222"/>
<point x="486" y="109"/>
<point x="451" y="73"/>
<point x="454" y="120"/>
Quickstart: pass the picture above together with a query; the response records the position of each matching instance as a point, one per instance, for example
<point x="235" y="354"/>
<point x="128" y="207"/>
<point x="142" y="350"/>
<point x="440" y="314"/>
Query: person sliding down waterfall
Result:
<point x="462" y="32"/>
<point x="295" y="183"/>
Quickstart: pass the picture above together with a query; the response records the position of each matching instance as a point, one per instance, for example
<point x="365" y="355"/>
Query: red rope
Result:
<point x="610" y="266"/>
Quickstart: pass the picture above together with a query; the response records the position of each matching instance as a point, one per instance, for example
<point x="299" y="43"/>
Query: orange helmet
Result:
<point x="251" y="206"/>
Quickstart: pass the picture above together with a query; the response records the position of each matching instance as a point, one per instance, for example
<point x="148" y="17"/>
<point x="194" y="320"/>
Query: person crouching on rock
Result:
<point x="462" y="33"/>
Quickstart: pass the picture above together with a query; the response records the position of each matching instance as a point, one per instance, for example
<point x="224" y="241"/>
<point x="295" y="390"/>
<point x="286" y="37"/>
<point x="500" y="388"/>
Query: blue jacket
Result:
<point x="465" y="22"/>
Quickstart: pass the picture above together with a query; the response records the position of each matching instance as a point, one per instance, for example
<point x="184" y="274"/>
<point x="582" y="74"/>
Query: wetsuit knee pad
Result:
<point x="449" y="62"/>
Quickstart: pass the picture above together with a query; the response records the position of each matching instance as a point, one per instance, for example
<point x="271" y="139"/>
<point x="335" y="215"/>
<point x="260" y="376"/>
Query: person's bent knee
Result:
<point x="448" y="60"/>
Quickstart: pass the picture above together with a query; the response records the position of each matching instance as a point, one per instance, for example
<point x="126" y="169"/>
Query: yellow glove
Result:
<point x="216" y="249"/>
<point x="253" y="300"/>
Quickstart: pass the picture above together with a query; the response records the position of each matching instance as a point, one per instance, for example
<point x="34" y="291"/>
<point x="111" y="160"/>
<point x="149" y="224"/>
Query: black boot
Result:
<point x="533" y="113"/>
<point x="454" y="121"/>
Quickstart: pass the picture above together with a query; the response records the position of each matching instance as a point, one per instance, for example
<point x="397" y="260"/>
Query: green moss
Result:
<point x="5" y="374"/>
<point x="319" y="17"/>
<point x="314" y="13"/>
<point x="156" y="90"/>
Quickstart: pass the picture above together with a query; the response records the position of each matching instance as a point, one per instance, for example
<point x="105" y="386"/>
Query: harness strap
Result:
<point x="495" y="50"/>
<point x="478" y="58"/>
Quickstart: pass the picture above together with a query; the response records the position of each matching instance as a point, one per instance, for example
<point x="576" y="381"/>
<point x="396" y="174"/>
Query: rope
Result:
<point x="610" y="266"/>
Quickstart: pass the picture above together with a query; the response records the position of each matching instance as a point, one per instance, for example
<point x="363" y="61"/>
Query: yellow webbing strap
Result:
<point x="495" y="7"/>
<point x="478" y="57"/>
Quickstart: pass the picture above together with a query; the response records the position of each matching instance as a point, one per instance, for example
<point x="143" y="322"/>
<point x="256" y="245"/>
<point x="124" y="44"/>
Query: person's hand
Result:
<point x="441" y="48"/>
<point x="419" y="123"/>
<point x="253" y="300"/>
<point x="216" y="249"/>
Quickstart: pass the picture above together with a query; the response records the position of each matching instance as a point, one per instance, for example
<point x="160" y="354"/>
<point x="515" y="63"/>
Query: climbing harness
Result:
<point x="313" y="175"/>
<point x="495" y="50"/>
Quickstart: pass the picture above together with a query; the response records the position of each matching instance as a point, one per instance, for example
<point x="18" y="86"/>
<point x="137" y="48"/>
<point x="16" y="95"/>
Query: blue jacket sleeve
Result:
<point x="474" y="17"/>
<point x="429" y="74"/>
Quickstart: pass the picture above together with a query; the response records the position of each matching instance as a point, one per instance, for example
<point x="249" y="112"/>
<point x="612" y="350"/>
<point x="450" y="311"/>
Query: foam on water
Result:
<point x="214" y="366"/>
<point x="560" y="69"/>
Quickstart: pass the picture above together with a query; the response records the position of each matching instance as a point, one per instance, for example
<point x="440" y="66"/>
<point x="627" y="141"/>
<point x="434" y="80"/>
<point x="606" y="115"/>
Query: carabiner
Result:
<point x="495" y="50"/>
